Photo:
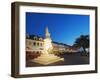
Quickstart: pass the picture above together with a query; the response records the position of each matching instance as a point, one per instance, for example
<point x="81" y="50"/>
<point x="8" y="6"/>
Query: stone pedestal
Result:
<point x="46" y="59"/>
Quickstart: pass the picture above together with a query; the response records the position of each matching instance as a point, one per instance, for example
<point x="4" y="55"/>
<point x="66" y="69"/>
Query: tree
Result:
<point x="82" y="41"/>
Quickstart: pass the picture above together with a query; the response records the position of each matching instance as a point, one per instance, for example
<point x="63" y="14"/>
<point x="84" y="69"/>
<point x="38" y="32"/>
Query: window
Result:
<point x="34" y="43"/>
<point x="37" y="44"/>
<point x="29" y="42"/>
<point x="35" y="38"/>
<point x="41" y="44"/>
<point x="40" y="38"/>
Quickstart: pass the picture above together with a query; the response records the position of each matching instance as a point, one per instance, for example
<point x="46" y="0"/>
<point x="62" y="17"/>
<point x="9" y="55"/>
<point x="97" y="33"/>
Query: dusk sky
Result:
<point x="64" y="28"/>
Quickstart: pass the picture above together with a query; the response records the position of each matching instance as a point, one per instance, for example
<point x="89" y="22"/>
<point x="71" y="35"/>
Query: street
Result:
<point x="69" y="59"/>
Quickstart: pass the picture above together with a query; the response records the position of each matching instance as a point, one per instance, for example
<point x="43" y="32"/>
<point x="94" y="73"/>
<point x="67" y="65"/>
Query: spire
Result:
<point x="47" y="34"/>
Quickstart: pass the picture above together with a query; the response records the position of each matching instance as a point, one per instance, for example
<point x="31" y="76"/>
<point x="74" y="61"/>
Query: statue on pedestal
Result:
<point x="46" y="58"/>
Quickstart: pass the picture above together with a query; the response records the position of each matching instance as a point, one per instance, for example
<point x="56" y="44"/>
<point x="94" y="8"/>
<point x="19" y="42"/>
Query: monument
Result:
<point x="46" y="58"/>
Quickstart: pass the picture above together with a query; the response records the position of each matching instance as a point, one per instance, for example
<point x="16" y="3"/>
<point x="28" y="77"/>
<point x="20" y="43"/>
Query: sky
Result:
<point x="64" y="28"/>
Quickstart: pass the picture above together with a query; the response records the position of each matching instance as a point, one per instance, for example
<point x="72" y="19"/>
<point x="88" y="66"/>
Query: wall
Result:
<point x="5" y="40"/>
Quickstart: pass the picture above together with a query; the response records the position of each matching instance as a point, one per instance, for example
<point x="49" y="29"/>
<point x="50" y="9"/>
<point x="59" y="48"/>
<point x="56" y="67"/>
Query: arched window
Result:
<point x="34" y="43"/>
<point x="41" y="44"/>
<point x="29" y="43"/>
<point x="35" y="38"/>
<point x="37" y="44"/>
<point x="40" y="39"/>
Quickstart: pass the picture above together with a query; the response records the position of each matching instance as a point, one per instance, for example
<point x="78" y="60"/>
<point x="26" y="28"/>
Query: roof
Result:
<point x="35" y="37"/>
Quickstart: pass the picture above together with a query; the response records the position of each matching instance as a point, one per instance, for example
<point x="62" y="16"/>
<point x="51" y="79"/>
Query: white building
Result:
<point x="36" y="44"/>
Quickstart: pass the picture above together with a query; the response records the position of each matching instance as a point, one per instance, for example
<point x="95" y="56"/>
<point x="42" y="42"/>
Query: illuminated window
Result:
<point x="41" y="44"/>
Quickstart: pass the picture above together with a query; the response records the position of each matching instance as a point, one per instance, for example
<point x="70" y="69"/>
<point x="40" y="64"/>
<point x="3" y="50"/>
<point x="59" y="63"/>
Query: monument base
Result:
<point x="46" y="59"/>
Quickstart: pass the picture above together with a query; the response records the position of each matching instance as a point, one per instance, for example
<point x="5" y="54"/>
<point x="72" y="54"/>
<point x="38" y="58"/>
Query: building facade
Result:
<point x="37" y="44"/>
